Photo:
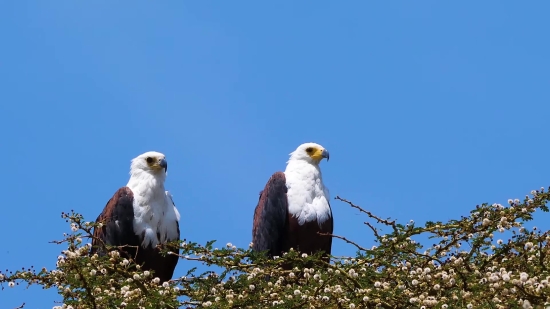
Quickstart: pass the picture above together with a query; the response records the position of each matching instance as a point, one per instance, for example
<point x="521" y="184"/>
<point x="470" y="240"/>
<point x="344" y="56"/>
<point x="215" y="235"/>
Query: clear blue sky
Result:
<point x="427" y="108"/>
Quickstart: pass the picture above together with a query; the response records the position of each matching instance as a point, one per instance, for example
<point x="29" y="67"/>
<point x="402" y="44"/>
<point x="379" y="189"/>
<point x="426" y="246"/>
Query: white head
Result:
<point x="309" y="152"/>
<point x="152" y="163"/>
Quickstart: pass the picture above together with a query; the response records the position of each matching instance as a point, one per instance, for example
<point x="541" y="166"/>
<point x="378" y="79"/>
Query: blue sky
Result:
<point x="427" y="108"/>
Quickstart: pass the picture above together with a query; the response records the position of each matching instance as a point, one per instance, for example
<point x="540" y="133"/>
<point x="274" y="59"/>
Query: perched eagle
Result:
<point x="294" y="206"/>
<point x="142" y="215"/>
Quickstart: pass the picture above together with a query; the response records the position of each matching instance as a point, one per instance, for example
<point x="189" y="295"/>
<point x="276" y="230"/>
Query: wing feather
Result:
<point x="117" y="218"/>
<point x="270" y="224"/>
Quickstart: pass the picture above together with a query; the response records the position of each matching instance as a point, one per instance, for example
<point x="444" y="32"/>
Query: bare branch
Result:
<point x="344" y="239"/>
<point x="368" y="213"/>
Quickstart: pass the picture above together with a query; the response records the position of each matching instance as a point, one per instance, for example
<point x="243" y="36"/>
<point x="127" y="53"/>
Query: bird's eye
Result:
<point x="310" y="149"/>
<point x="149" y="160"/>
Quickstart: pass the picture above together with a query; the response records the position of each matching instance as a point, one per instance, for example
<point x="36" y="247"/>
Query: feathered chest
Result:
<point x="307" y="196"/>
<point x="154" y="219"/>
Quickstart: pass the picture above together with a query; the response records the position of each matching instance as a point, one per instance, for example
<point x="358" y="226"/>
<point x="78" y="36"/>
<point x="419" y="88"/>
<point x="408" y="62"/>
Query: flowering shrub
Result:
<point x="466" y="267"/>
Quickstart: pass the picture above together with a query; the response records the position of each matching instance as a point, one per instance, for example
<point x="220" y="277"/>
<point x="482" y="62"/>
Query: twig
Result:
<point x="87" y="287"/>
<point x="374" y="230"/>
<point x="368" y="213"/>
<point x="344" y="239"/>
<point x="20" y="307"/>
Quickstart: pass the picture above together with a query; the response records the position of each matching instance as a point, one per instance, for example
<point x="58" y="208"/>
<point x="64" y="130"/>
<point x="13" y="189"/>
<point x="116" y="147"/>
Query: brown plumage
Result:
<point x="276" y="230"/>
<point x="118" y="230"/>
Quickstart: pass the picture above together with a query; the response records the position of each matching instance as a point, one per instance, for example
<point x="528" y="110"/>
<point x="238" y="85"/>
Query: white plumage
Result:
<point x="293" y="210"/>
<point x="154" y="210"/>
<point x="307" y="195"/>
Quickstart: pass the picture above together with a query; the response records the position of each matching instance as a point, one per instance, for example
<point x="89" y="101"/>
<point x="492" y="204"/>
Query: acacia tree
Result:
<point x="465" y="267"/>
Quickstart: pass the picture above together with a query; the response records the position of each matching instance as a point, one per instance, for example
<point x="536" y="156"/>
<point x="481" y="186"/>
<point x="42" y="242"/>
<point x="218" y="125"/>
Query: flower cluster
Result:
<point x="466" y="266"/>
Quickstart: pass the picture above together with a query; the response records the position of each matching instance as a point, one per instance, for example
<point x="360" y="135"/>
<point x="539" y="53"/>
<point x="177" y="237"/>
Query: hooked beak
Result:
<point x="325" y="154"/>
<point x="164" y="164"/>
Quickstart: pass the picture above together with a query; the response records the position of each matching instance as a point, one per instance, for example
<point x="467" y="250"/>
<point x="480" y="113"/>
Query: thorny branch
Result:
<point x="344" y="239"/>
<point x="399" y="273"/>
<point x="368" y="213"/>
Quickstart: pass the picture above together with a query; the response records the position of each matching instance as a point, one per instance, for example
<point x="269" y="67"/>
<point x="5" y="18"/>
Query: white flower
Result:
<point x="11" y="284"/>
<point x="523" y="277"/>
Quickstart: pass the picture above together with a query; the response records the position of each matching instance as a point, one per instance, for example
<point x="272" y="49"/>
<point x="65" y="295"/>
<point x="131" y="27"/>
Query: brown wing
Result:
<point x="118" y="223"/>
<point x="270" y="224"/>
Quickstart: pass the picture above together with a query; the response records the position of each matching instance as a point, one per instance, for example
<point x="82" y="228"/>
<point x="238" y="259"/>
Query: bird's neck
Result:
<point x="146" y="186"/>
<point x="300" y="170"/>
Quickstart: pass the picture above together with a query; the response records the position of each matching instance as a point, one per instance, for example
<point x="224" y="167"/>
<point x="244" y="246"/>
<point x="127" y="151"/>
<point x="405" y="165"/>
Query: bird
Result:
<point x="140" y="216"/>
<point x="293" y="208"/>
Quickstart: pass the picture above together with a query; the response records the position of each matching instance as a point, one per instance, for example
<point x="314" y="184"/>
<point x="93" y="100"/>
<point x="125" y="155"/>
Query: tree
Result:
<point x="466" y="267"/>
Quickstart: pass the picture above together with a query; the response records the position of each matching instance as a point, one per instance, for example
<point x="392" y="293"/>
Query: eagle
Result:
<point x="294" y="207"/>
<point x="140" y="216"/>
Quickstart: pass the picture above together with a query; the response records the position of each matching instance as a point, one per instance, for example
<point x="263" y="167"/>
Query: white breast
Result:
<point x="307" y="196"/>
<point x="154" y="212"/>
